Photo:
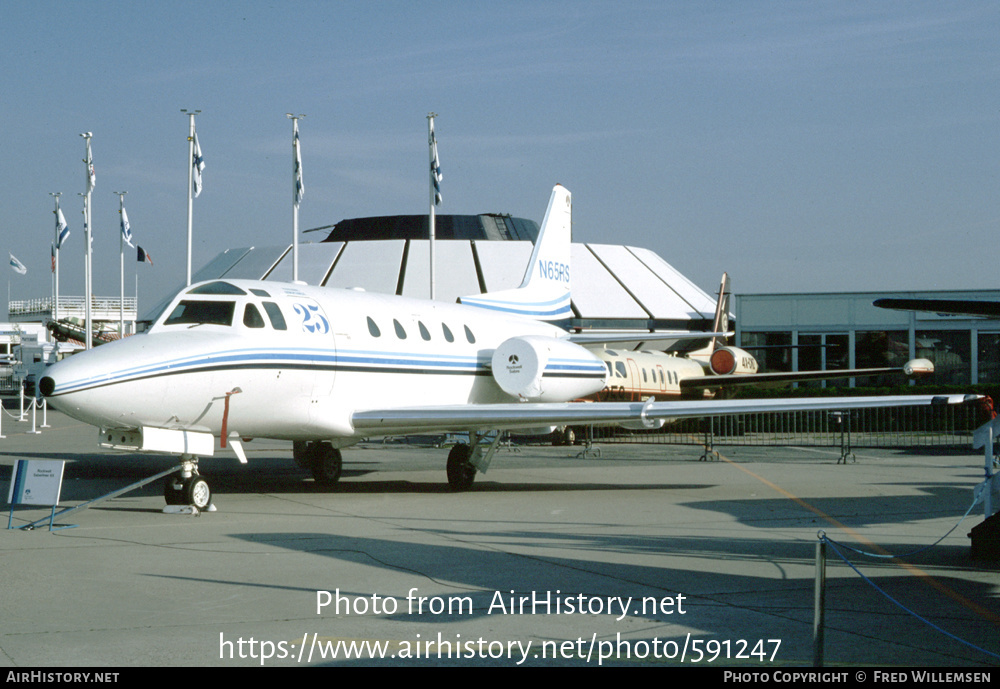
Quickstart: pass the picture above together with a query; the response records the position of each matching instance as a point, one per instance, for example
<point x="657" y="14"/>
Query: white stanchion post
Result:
<point x="45" y="414"/>
<point x="21" y="417"/>
<point x="33" y="414"/>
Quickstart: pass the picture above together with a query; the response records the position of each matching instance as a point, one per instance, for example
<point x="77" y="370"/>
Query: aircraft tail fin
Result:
<point x="544" y="293"/>
<point x="721" y="323"/>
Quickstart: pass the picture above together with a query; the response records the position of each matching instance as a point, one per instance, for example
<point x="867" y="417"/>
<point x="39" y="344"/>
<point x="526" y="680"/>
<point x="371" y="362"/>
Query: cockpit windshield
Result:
<point x="198" y="312"/>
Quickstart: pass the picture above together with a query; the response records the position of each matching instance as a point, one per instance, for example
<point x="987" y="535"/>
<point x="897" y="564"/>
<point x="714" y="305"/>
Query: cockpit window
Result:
<point x="196" y="312"/>
<point x="274" y="313"/>
<point x="216" y="288"/>
<point x="252" y="317"/>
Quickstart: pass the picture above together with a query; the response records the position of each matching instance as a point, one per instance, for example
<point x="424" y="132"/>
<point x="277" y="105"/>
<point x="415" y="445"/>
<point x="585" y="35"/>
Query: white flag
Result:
<point x="62" y="229"/>
<point x="435" y="167"/>
<point x="91" y="175"/>
<point x="197" y="164"/>
<point x="126" y="228"/>
<point x="18" y="267"/>
<point x="300" y="190"/>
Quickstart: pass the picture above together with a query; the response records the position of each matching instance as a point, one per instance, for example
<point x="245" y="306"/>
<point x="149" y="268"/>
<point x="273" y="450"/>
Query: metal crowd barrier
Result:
<point x="938" y="426"/>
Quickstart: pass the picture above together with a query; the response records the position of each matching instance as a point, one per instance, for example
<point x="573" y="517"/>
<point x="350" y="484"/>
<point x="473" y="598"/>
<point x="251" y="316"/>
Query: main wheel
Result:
<point x="461" y="473"/>
<point x="302" y="454"/>
<point x="326" y="464"/>
<point x="197" y="493"/>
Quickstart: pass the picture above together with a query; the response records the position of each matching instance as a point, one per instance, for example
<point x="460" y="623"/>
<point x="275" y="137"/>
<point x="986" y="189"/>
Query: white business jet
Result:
<point x="325" y="368"/>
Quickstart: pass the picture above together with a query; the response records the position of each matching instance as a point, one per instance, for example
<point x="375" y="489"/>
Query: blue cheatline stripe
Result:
<point x="321" y="360"/>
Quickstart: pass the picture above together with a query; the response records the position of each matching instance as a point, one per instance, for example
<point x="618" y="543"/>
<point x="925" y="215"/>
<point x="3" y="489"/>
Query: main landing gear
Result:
<point x="322" y="459"/>
<point x="325" y="462"/>
<point x="187" y="487"/>
<point x="461" y="472"/>
<point x="464" y="461"/>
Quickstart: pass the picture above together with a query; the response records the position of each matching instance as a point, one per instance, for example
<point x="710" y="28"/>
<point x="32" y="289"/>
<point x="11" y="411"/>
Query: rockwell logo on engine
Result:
<point x="512" y="364"/>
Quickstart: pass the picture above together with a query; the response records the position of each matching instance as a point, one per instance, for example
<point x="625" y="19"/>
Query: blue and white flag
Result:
<point x="126" y="228"/>
<point x="62" y="229"/>
<point x="91" y="175"/>
<point x="18" y="267"/>
<point x="197" y="165"/>
<point x="435" y="167"/>
<point x="300" y="189"/>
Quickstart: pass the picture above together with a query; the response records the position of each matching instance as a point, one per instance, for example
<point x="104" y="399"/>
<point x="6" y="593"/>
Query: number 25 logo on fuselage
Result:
<point x="313" y="321"/>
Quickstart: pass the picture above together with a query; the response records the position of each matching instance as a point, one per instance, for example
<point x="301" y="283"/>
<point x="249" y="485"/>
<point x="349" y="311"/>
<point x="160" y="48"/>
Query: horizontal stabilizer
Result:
<point x="963" y="307"/>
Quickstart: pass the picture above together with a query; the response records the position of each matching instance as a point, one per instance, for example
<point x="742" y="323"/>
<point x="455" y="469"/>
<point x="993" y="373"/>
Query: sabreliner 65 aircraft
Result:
<point x="325" y="368"/>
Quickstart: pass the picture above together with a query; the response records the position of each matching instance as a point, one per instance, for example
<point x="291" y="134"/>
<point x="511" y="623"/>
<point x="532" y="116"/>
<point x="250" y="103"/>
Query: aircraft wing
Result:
<point x="533" y="415"/>
<point x="597" y="337"/>
<point x="965" y="307"/>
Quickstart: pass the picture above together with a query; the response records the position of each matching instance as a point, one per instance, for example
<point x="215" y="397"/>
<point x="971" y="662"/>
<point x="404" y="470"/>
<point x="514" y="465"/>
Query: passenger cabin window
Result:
<point x="259" y="292"/>
<point x="252" y="317"/>
<point x="274" y="313"/>
<point x="620" y="369"/>
<point x="469" y="336"/>
<point x="423" y="331"/>
<point x="400" y="333"/>
<point x="199" y="312"/>
<point x="373" y="329"/>
<point x="447" y="333"/>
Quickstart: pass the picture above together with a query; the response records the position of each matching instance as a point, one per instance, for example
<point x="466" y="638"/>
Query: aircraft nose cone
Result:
<point x="46" y="386"/>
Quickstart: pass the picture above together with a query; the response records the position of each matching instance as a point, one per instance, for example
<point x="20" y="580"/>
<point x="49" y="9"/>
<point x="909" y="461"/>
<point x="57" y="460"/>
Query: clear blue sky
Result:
<point x="821" y="146"/>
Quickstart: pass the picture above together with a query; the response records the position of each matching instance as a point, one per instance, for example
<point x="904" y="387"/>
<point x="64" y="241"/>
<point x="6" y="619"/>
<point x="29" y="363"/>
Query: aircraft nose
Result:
<point x="46" y="386"/>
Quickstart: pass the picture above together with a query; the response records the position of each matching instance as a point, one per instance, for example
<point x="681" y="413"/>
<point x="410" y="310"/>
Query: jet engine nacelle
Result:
<point x="544" y="369"/>
<point x="732" y="361"/>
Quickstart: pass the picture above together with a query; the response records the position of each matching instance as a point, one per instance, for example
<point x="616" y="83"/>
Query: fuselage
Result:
<point x="296" y="361"/>
<point x="635" y="376"/>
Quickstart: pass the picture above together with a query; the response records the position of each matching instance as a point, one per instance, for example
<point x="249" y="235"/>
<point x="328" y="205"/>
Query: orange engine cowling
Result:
<point x="727" y="361"/>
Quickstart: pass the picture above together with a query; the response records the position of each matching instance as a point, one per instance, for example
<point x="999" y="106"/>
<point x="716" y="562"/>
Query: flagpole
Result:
<point x="55" y="296"/>
<point x="297" y="192"/>
<point x="88" y="216"/>
<point x="121" y="261"/>
<point x="190" y="194"/>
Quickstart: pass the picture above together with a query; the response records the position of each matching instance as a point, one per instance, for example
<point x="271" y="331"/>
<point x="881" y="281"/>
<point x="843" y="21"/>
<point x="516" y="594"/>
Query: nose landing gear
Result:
<point x="187" y="487"/>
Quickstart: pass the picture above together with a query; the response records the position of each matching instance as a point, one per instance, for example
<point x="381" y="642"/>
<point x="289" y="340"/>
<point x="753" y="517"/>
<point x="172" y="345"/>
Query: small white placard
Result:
<point x="36" y="482"/>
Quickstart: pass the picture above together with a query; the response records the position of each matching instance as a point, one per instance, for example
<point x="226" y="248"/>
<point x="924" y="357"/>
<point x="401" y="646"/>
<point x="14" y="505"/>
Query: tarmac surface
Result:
<point x="643" y="556"/>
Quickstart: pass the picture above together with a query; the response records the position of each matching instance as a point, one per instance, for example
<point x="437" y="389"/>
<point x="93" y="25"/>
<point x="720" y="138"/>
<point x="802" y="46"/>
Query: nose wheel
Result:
<point x="186" y="487"/>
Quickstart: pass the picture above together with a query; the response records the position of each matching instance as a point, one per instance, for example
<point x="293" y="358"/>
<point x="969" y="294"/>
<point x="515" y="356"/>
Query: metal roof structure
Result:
<point x="614" y="287"/>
